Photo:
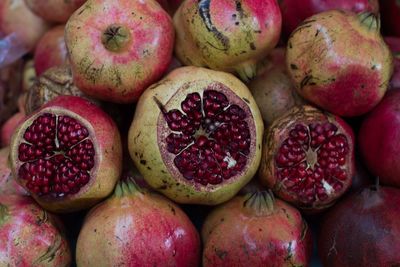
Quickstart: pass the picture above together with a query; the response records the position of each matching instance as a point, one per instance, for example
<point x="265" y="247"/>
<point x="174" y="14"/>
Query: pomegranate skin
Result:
<point x="131" y="51"/>
<point x="149" y="131"/>
<point x="394" y="45"/>
<point x="295" y="11"/>
<point x="390" y="11"/>
<point x="54" y="10"/>
<point x="298" y="169"/>
<point x="8" y="185"/>
<point x="137" y="228"/>
<point x="229" y="36"/>
<point x="340" y="76"/>
<point x="106" y="140"/>
<point x="8" y="128"/>
<point x="250" y="231"/>
<point x="362" y="230"/>
<point x="50" y="50"/>
<point x="379" y="148"/>
<point x="30" y="236"/>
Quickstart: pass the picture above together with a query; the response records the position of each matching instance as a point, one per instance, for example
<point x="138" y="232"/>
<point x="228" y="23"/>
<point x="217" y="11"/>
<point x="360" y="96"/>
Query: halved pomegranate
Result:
<point x="196" y="136"/>
<point x="308" y="158"/>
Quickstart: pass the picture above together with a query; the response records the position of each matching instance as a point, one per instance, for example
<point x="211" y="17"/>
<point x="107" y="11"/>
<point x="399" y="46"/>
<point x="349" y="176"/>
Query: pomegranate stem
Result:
<point x="260" y="202"/>
<point x="127" y="187"/>
<point x="116" y="38"/>
<point x="370" y="21"/>
<point x="3" y="214"/>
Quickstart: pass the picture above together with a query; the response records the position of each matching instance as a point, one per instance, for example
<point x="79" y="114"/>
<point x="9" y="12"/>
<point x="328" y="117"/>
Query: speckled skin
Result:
<point x="362" y="230"/>
<point x="227" y="35"/>
<point x="108" y="149"/>
<point x="119" y="76"/>
<point x="30" y="236"/>
<point x="148" y="131"/>
<point x="8" y="185"/>
<point x="238" y="234"/>
<point x="16" y="17"/>
<point x="394" y="45"/>
<point x="338" y="63"/>
<point x="137" y="229"/>
<point x="54" y="10"/>
<point x="50" y="50"/>
<point x="378" y="139"/>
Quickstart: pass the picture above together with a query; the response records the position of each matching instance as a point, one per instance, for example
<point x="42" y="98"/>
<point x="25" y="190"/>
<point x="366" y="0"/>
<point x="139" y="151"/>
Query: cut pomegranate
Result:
<point x="309" y="158"/>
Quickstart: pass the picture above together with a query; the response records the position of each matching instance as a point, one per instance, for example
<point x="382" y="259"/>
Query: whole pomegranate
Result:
<point x="50" y="50"/>
<point x="330" y="61"/>
<point x="30" y="236"/>
<point x="137" y="228"/>
<point x="229" y="36"/>
<point x="308" y="158"/>
<point x="394" y="45"/>
<point x="390" y="10"/>
<point x="68" y="154"/>
<point x="196" y="136"/>
<point x="362" y="230"/>
<point x="9" y="127"/>
<point x="16" y="18"/>
<point x="378" y="139"/>
<point x="295" y="11"/>
<point x="8" y="185"/>
<point x="272" y="88"/>
<point x="256" y="230"/>
<point x="54" y="10"/>
<point x="118" y="50"/>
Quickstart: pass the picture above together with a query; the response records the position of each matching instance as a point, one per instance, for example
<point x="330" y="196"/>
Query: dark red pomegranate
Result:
<point x="308" y="158"/>
<point x="362" y="230"/>
<point x="137" y="228"/>
<point x="378" y="139"/>
<point x="256" y="230"/>
<point x="67" y="154"/>
<point x="30" y="236"/>
<point x="394" y="45"/>
<point x="196" y="136"/>
<point x="295" y="11"/>
<point x="54" y="10"/>
<point x="390" y="14"/>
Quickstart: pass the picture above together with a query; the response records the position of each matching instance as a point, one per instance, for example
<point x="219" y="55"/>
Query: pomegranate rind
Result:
<point x="108" y="153"/>
<point x="8" y="185"/>
<point x="278" y="131"/>
<point x="144" y="145"/>
<point x="54" y="10"/>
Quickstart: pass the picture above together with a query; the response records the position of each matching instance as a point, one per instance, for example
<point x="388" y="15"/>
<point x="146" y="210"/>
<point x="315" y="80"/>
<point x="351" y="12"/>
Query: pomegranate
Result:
<point x="8" y="185"/>
<point x="196" y="136"/>
<point x="362" y="230"/>
<point x="223" y="35"/>
<point x="116" y="51"/>
<point x="378" y="139"/>
<point x="137" y="228"/>
<point x="272" y="88"/>
<point x="16" y="18"/>
<point x="54" y="10"/>
<point x="308" y="158"/>
<point x="256" y="230"/>
<point x="30" y="236"/>
<point x="330" y="61"/>
<point x="68" y="154"/>
<point x="295" y="11"/>
<point x="390" y="10"/>
<point x="8" y="128"/>
<point x="50" y="50"/>
<point x="394" y="45"/>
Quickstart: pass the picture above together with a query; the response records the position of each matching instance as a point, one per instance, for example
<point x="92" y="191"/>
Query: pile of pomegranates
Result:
<point x="200" y="133"/>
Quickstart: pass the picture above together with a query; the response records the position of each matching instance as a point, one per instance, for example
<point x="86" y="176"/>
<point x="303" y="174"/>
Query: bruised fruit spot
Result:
<point x="116" y="38"/>
<point x="57" y="156"/>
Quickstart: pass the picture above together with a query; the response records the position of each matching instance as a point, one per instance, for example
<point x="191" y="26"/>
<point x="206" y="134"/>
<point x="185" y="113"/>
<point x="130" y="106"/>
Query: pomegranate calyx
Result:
<point x="116" y="38"/>
<point x="370" y="21"/>
<point x="260" y="203"/>
<point x="126" y="188"/>
<point x="4" y="214"/>
<point x="247" y="71"/>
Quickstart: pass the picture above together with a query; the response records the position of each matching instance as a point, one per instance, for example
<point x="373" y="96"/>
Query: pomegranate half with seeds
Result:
<point x="308" y="158"/>
<point x="68" y="154"/>
<point x="196" y="136"/>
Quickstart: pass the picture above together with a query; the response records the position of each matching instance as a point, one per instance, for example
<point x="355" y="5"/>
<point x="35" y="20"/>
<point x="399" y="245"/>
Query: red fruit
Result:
<point x="295" y="11"/>
<point x="118" y="50"/>
<point x="137" y="228"/>
<point x="394" y="45"/>
<point x="330" y="61"/>
<point x="362" y="230"/>
<point x="68" y="154"/>
<point x="308" y="158"/>
<point x="231" y="36"/>
<point x="30" y="236"/>
<point x="51" y="50"/>
<point x="9" y="127"/>
<point x="378" y="137"/>
<point x="54" y="10"/>
<point x="272" y="88"/>
<point x="390" y="11"/>
<point x="16" y="18"/>
<point x="8" y="185"/>
<point x="196" y="136"/>
<point x="256" y="230"/>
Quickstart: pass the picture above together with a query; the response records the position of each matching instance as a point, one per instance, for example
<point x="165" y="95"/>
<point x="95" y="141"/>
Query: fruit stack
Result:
<point x="200" y="133"/>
